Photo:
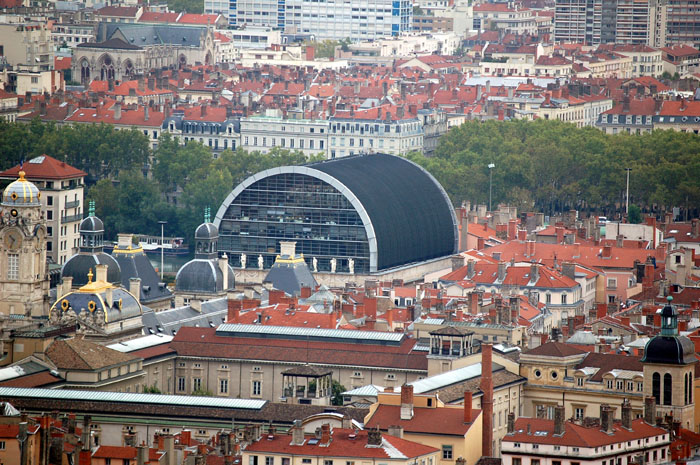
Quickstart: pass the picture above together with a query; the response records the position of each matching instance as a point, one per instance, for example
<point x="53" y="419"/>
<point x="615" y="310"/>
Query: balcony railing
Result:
<point x="73" y="204"/>
<point x="71" y="218"/>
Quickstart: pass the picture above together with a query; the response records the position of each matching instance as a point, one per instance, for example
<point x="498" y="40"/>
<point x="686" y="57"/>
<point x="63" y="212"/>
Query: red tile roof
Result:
<point x="44" y="167"/>
<point x="192" y="18"/>
<point x="11" y="431"/>
<point x="124" y="452"/>
<point x="680" y="108"/>
<point x="128" y="117"/>
<point x="61" y="63"/>
<point x="203" y="342"/>
<point x="609" y="362"/>
<point x="554" y="349"/>
<point x="578" y="435"/>
<point x="342" y="445"/>
<point x="680" y="50"/>
<point x="158" y="17"/>
<point x="122" y="11"/>
<point x="586" y="255"/>
<point x="43" y="378"/>
<point x="442" y="420"/>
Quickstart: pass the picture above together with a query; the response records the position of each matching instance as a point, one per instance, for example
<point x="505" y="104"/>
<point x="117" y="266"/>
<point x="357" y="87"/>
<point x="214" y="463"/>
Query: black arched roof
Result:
<point x="412" y="216"/>
<point x="80" y="264"/>
<point x="669" y="350"/>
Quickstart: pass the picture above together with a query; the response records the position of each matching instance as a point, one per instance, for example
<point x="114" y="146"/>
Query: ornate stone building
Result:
<point x="24" y="282"/>
<point x="123" y="51"/>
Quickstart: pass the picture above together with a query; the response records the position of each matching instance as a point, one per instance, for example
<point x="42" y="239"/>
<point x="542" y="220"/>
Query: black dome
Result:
<point x="201" y="275"/>
<point x="669" y="350"/>
<point x="91" y="224"/>
<point x="206" y="231"/>
<point x="79" y="265"/>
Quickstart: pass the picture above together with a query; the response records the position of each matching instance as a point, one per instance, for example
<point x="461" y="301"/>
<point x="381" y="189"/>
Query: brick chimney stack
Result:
<point x="467" y="407"/>
<point x="406" y="402"/>
<point x="487" y="399"/>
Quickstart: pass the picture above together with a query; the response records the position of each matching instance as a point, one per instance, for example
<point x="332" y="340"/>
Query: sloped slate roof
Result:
<point x="411" y="213"/>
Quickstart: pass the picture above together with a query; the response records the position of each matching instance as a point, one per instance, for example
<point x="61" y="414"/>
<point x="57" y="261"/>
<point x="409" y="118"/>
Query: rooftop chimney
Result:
<point x="606" y="419"/>
<point x="297" y="433"/>
<point x="650" y="410"/>
<point x="559" y="420"/>
<point x="487" y="399"/>
<point x="406" y="402"/>
<point x="467" y="407"/>
<point x="626" y="414"/>
<point x="511" y="422"/>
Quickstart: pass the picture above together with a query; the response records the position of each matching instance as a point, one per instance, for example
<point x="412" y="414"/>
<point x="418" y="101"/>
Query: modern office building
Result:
<point x="331" y="19"/>
<point x="358" y="214"/>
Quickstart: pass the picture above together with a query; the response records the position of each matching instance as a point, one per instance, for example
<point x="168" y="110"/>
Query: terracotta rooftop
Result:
<point x="576" y="435"/>
<point x="345" y="443"/>
<point x="555" y="349"/>
<point x="443" y="420"/>
<point x="44" y="167"/>
<point x="79" y="354"/>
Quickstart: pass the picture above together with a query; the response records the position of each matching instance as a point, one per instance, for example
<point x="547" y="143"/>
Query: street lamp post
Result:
<point x="162" y="229"/>
<point x="491" y="167"/>
<point x="627" y="196"/>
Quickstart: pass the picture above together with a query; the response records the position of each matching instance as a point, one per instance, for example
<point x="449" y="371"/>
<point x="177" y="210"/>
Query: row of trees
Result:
<point x="553" y="166"/>
<point x="184" y="178"/>
<point x="545" y="166"/>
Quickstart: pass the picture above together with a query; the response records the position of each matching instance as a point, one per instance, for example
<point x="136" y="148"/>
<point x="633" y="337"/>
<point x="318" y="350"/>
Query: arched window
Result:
<point x="685" y="388"/>
<point x="84" y="72"/>
<point x="668" y="390"/>
<point x="690" y="388"/>
<point x="656" y="387"/>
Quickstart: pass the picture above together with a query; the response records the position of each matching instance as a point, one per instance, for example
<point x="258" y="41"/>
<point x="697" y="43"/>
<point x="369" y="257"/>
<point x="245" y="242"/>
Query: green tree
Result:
<point x="189" y="6"/>
<point x="324" y="48"/>
<point x="337" y="391"/>
<point x="153" y="389"/>
<point x="634" y="215"/>
<point x="202" y="392"/>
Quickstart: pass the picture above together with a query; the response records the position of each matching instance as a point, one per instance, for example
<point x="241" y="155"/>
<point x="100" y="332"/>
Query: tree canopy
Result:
<point x="553" y="166"/>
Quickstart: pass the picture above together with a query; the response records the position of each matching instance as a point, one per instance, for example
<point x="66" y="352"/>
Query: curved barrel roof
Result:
<point x="407" y="215"/>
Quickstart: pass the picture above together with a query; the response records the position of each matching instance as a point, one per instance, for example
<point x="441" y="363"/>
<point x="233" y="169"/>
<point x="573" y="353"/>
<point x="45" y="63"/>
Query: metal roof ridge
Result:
<point x="129" y="397"/>
<point x="315" y="332"/>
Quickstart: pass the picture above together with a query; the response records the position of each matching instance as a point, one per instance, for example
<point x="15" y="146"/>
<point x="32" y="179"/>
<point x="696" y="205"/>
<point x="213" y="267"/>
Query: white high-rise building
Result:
<point x="329" y="19"/>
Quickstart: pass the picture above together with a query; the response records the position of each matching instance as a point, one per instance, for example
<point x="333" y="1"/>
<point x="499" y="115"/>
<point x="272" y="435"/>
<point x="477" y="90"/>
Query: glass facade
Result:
<point x="294" y="207"/>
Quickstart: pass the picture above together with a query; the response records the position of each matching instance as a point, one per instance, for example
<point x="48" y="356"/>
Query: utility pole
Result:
<point x="491" y="167"/>
<point x="627" y="197"/>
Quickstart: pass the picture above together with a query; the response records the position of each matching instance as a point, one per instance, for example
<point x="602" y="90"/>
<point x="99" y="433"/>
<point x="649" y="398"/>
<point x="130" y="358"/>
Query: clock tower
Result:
<point x="24" y="282"/>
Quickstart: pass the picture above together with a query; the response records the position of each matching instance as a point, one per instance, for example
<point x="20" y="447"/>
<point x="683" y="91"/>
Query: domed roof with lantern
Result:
<point x="203" y="273"/>
<point x="91" y="252"/>
<point x="21" y="193"/>
<point x="669" y="348"/>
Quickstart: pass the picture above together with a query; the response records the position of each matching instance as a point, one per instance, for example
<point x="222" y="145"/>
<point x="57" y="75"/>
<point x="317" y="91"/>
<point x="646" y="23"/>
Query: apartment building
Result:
<point x="646" y="61"/>
<point x="262" y="133"/>
<point x="70" y="35"/>
<point x="334" y="19"/>
<point x="208" y="125"/>
<point x="27" y="44"/>
<point x="604" y="21"/>
<point x="359" y="132"/>
<point x="61" y="188"/>
<point x="559" y="441"/>
<point x="501" y="16"/>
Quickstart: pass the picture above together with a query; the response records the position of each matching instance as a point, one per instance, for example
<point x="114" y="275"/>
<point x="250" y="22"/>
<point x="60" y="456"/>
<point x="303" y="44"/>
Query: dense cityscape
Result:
<point x="349" y="232"/>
